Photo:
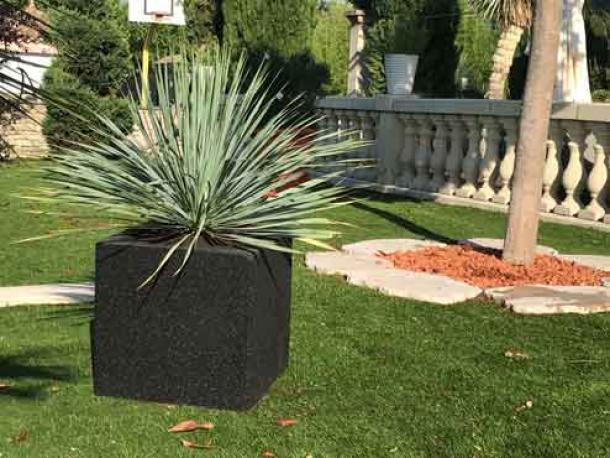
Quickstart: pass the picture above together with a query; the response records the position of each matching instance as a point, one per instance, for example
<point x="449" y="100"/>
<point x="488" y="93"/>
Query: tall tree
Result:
<point x="514" y="17"/>
<point x="523" y="219"/>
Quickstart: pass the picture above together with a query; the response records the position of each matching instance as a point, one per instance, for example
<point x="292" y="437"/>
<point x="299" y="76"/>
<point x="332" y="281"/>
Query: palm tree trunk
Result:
<point x="523" y="218"/>
<point x="503" y="61"/>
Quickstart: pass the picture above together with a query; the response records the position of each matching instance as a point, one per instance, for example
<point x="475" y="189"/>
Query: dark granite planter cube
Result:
<point x="215" y="336"/>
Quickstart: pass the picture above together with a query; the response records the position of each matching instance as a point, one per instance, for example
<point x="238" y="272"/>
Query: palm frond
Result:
<point x="506" y="12"/>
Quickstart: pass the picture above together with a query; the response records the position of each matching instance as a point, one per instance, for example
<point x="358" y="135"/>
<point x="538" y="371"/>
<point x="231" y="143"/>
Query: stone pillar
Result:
<point x="356" y="46"/>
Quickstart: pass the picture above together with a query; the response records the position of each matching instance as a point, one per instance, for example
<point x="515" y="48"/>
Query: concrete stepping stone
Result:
<point x="372" y="247"/>
<point x="550" y="300"/>
<point x="376" y="273"/>
<point x="498" y="244"/>
<point x="339" y="263"/>
<point x="593" y="261"/>
<point x="53" y="294"/>
<point x="416" y="285"/>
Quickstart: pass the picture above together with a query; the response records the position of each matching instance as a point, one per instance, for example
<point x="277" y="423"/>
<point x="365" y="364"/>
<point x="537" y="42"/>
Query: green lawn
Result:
<point x="370" y="376"/>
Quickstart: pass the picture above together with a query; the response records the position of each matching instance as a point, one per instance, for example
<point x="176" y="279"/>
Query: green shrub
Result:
<point x="96" y="52"/>
<point x="279" y="33"/>
<point x="62" y="125"/>
<point x="476" y="42"/>
<point x="93" y="69"/>
<point x="330" y="46"/>
<point x="284" y="27"/>
<point x="601" y="95"/>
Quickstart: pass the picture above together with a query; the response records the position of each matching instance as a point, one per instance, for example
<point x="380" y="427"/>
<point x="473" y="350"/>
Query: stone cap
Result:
<point x="355" y="16"/>
<point x="589" y="112"/>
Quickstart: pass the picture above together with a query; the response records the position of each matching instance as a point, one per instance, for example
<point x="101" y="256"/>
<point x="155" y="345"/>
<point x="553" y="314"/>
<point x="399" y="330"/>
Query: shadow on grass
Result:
<point x="404" y="223"/>
<point x="74" y="316"/>
<point x="35" y="377"/>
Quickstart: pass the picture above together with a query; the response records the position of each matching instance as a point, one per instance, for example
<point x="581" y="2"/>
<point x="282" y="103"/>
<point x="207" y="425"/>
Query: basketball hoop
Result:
<point x="154" y="12"/>
<point x="166" y="12"/>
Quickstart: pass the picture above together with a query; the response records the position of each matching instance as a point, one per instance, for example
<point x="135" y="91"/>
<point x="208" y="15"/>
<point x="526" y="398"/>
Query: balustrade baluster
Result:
<point x="439" y="155"/>
<point x="492" y="137"/>
<point x="355" y="133"/>
<point x="551" y="172"/>
<point x="321" y="132"/>
<point x="453" y="165"/>
<point x="572" y="175"/>
<point x="407" y="156"/>
<point x="333" y="124"/>
<point x="333" y="128"/>
<point x="507" y="167"/>
<point x="596" y="209"/>
<point x="424" y="153"/>
<point x="368" y="122"/>
<point x="470" y="164"/>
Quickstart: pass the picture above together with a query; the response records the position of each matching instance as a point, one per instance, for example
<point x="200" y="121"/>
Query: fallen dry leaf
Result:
<point x="268" y="454"/>
<point x="515" y="354"/>
<point x="526" y="406"/>
<point x="20" y="437"/>
<point x="287" y="422"/>
<point x="184" y="427"/>
<point x="4" y="386"/>
<point x="205" y="446"/>
<point x="188" y="426"/>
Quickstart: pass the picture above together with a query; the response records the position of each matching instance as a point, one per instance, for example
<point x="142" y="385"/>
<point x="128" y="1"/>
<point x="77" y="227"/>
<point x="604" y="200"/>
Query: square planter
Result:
<point x="215" y="336"/>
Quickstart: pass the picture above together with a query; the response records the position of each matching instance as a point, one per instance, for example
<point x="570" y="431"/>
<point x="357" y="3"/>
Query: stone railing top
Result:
<point x="593" y="112"/>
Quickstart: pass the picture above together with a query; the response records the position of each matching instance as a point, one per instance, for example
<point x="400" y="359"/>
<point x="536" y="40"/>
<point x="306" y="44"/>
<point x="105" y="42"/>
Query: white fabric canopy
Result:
<point x="572" y="84"/>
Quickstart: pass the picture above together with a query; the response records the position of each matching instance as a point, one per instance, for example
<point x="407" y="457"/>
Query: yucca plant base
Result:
<point x="215" y="336"/>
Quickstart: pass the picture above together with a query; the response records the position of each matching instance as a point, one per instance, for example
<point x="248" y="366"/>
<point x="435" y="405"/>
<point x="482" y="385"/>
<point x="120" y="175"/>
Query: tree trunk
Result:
<point x="503" y="61"/>
<point x="523" y="218"/>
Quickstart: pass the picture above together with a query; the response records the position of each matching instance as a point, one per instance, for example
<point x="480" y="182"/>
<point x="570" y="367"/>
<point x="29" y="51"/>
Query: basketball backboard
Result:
<point x="169" y="12"/>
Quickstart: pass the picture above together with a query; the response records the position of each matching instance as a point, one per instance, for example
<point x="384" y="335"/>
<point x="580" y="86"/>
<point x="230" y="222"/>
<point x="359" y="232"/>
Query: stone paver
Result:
<point x="339" y="263"/>
<point x="373" y="272"/>
<point x="372" y="247"/>
<point x="549" y="300"/>
<point x="416" y="285"/>
<point x="593" y="261"/>
<point x="57" y="294"/>
<point x="498" y="244"/>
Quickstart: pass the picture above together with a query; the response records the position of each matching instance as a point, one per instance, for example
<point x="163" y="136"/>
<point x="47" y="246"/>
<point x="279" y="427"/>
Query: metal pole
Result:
<point x="146" y="66"/>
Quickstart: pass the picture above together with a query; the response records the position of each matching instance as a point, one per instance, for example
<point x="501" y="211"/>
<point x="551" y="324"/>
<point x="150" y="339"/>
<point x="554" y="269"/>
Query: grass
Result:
<point x="370" y="376"/>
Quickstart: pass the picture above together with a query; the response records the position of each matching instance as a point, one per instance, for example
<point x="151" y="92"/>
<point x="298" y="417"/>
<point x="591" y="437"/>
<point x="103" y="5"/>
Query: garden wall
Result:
<point x="23" y="132"/>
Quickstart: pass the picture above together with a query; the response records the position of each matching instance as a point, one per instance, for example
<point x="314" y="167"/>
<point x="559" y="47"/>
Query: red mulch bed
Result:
<point x="484" y="268"/>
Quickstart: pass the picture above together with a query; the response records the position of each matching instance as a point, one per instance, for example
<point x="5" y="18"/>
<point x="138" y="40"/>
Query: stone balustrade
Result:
<point x="463" y="152"/>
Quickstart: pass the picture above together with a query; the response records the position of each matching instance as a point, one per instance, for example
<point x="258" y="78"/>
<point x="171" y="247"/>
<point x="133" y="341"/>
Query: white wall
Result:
<point x="34" y="66"/>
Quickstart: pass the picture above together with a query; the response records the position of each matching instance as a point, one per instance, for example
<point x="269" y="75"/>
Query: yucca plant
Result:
<point x="210" y="164"/>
